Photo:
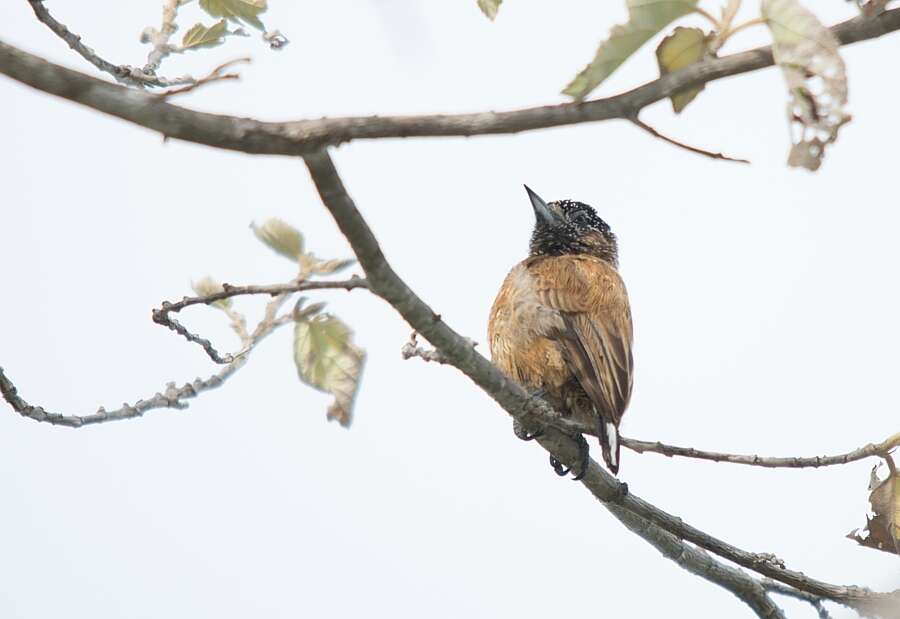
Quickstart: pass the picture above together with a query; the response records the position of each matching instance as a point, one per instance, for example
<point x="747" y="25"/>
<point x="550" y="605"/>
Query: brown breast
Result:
<point x="520" y="333"/>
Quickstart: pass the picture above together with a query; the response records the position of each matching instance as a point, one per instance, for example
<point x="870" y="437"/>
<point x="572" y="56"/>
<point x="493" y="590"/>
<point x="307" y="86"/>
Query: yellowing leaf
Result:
<point x="645" y="19"/>
<point x="201" y="36"/>
<point x="237" y="10"/>
<point x="282" y="237"/>
<point x="883" y="530"/>
<point x="684" y="47"/>
<point x="312" y="265"/>
<point x="489" y="7"/>
<point x="206" y="286"/>
<point x="327" y="360"/>
<point x="807" y="53"/>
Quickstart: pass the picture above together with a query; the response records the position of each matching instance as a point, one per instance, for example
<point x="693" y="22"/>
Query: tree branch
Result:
<point x="162" y="315"/>
<point x="872" y="450"/>
<point x="517" y="402"/>
<point x="126" y="74"/>
<point x="879" y="450"/>
<point x="699" y="562"/>
<point x="173" y="397"/>
<point x="306" y="136"/>
<point x="816" y="602"/>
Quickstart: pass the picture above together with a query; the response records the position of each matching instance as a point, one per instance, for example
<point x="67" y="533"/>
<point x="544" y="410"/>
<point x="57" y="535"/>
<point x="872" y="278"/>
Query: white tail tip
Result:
<point x="612" y="435"/>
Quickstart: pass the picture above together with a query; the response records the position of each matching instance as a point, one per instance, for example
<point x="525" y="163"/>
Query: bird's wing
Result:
<point x="591" y="298"/>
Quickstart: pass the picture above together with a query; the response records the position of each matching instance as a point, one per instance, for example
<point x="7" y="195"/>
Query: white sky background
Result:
<point x="765" y="306"/>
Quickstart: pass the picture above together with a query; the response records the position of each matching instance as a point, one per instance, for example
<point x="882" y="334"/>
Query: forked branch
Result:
<point x="133" y="76"/>
<point x="162" y="316"/>
<point x="520" y="405"/>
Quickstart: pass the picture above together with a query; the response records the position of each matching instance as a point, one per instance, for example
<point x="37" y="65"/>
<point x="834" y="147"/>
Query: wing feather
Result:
<point x="597" y="338"/>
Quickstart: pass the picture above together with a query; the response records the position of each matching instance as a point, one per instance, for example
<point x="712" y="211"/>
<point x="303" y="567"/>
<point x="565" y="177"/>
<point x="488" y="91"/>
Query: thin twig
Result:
<point x="774" y="586"/>
<point x="160" y="38"/>
<point x="757" y="21"/>
<point x="173" y="397"/>
<point x="413" y="349"/>
<point x="215" y="75"/>
<point x="877" y="450"/>
<point x="126" y="74"/>
<point x="163" y="317"/>
<point x="706" y="153"/>
<point x="716" y="24"/>
<point x="729" y="11"/>
<point x="872" y="450"/>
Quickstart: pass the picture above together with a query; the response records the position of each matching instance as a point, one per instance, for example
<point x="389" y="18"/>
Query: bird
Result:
<point x="561" y="325"/>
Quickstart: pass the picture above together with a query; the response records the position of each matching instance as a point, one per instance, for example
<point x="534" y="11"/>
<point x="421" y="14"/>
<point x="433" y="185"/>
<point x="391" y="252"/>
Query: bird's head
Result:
<point x="568" y="227"/>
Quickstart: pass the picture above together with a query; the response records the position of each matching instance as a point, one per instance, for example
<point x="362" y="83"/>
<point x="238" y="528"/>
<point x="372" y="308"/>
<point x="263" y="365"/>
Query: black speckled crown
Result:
<point x="578" y="234"/>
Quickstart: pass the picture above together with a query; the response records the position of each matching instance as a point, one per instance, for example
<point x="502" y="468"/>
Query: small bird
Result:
<point x="561" y="323"/>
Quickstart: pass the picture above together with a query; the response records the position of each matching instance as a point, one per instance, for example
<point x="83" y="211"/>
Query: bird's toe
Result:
<point x="558" y="467"/>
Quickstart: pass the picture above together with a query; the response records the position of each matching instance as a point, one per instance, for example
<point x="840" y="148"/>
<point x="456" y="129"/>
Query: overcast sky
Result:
<point x="765" y="307"/>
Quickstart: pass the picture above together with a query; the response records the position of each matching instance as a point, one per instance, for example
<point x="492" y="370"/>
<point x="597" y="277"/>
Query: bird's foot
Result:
<point x="584" y="454"/>
<point x="521" y="432"/>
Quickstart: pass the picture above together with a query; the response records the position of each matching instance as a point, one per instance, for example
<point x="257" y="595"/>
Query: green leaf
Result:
<point x="282" y="237"/>
<point x="489" y="7"/>
<point x="816" y="78"/>
<point x="682" y="48"/>
<point x="201" y="36"/>
<point x="327" y="360"/>
<point x="247" y="11"/>
<point x="206" y="286"/>
<point x="645" y="19"/>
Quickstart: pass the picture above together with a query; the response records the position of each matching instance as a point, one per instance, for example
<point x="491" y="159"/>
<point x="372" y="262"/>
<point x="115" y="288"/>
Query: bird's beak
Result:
<point x="542" y="212"/>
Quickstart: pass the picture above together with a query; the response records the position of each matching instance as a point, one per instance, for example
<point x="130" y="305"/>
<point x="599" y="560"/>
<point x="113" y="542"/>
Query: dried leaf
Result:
<point x="327" y="360"/>
<point x="280" y="236"/>
<point x="312" y="265"/>
<point x="206" y="286"/>
<point x="327" y="267"/>
<point x="489" y="8"/>
<point x="882" y="530"/>
<point x="201" y="36"/>
<point x="684" y="47"/>
<point x="807" y="53"/>
<point x="247" y="11"/>
<point x="645" y="19"/>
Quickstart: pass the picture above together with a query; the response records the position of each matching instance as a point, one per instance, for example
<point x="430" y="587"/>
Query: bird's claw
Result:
<point x="584" y="458"/>
<point x="558" y="467"/>
<point x="583" y="461"/>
